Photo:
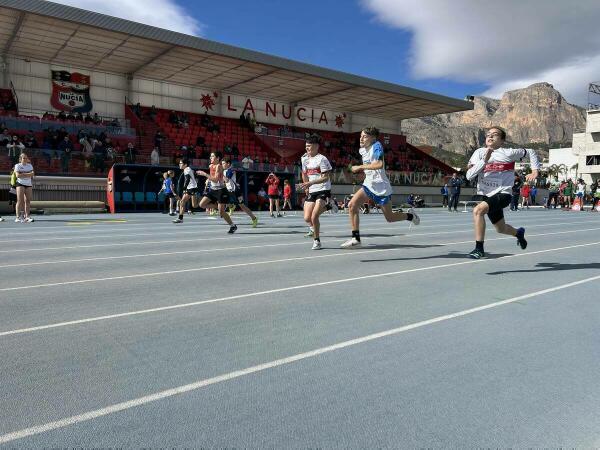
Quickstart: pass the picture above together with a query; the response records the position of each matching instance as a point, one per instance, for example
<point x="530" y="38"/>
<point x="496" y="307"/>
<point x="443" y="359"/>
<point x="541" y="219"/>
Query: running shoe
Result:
<point x="351" y="243"/>
<point x="172" y="214"/>
<point x="178" y="220"/>
<point x="415" y="220"/>
<point x="29" y="220"/>
<point x="1" y="219"/>
<point x="310" y="233"/>
<point x="521" y="238"/>
<point x="316" y="245"/>
<point x="278" y="215"/>
<point x="232" y="229"/>
<point x="272" y="215"/>
<point x="476" y="254"/>
<point x="18" y="220"/>
<point x="255" y="222"/>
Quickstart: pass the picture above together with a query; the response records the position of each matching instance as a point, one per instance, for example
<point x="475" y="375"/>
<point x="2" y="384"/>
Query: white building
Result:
<point x="586" y="148"/>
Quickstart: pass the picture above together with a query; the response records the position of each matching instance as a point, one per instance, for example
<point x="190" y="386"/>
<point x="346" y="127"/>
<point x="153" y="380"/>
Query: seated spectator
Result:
<point x="173" y="119"/>
<point x="88" y="118"/>
<point x="200" y="141"/>
<point x="5" y="137"/>
<point x="411" y="200"/>
<point x="243" y="122"/>
<point x="87" y="150"/>
<point x="247" y="162"/>
<point x="96" y="119"/>
<point x="110" y="151"/>
<point x="155" y="157"/>
<point x="66" y="145"/>
<point x="79" y="117"/>
<point x="137" y="109"/>
<point x="30" y="141"/>
<point x="115" y="123"/>
<point x="70" y="116"/>
<point x="99" y="157"/>
<point x="15" y="148"/>
<point x="47" y="115"/>
<point x="153" y="113"/>
<point x="62" y="116"/>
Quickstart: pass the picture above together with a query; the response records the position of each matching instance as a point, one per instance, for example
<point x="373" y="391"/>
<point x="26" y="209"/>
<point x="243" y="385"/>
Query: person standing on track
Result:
<point x="272" y="182"/>
<point x="376" y="186"/>
<point x="167" y="189"/>
<point x="218" y="196"/>
<point x="455" y="185"/>
<point x="493" y="166"/>
<point x="235" y="194"/>
<point x="25" y="174"/>
<point x="316" y="171"/>
<point x="287" y="195"/>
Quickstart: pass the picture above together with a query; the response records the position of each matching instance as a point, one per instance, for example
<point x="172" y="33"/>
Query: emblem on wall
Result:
<point x="70" y="91"/>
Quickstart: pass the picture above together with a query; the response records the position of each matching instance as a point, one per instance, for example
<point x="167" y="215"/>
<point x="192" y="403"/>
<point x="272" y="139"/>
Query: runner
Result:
<point x="235" y="195"/>
<point x="494" y="166"/>
<point x="376" y="186"/>
<point x="218" y="196"/>
<point x="316" y="170"/>
<point x="188" y="189"/>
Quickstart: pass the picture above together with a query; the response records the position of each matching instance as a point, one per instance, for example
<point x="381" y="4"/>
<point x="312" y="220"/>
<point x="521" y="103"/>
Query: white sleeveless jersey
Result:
<point x="376" y="181"/>
<point x="230" y="180"/>
<point x="497" y="176"/>
<point x="314" y="167"/>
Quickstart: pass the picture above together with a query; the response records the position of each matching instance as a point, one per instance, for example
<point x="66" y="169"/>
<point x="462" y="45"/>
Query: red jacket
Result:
<point x="273" y="183"/>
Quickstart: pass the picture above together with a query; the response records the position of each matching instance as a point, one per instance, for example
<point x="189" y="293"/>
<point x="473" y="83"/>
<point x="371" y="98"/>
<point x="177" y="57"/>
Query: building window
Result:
<point x="592" y="160"/>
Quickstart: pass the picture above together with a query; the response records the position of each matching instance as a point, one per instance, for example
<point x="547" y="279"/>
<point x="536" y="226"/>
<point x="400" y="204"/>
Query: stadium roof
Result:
<point x="48" y="32"/>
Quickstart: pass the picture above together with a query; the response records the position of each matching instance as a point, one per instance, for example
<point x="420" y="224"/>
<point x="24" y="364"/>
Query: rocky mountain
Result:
<point x="536" y="116"/>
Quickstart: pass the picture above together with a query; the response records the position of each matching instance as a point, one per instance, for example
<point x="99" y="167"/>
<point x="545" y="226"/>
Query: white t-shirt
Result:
<point x="376" y="181"/>
<point x="192" y="184"/>
<point x="229" y="176"/>
<point x="24" y="168"/>
<point x="497" y="176"/>
<point x="314" y="167"/>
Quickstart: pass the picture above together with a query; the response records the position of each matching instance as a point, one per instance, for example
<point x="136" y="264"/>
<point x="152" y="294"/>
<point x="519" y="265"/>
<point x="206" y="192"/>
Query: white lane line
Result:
<point x="273" y="291"/>
<point x="283" y="244"/>
<point x="167" y="393"/>
<point x="271" y="261"/>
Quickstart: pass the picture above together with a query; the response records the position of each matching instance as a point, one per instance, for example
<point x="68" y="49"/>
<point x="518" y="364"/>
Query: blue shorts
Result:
<point x="580" y="195"/>
<point x="379" y="200"/>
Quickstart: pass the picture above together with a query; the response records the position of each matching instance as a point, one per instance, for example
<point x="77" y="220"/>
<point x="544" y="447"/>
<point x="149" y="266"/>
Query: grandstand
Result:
<point x="139" y="75"/>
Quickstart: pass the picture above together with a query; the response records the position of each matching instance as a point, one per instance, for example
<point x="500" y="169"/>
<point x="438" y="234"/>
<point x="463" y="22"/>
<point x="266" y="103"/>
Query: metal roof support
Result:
<point x="14" y="34"/>
<point x="154" y="58"/>
<point x="250" y="79"/>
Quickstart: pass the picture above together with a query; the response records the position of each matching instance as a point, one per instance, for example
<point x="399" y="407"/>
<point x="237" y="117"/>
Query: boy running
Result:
<point x="494" y="167"/>
<point x="218" y="196"/>
<point x="235" y="195"/>
<point x="376" y="186"/>
<point x="316" y="170"/>
<point x="188" y="190"/>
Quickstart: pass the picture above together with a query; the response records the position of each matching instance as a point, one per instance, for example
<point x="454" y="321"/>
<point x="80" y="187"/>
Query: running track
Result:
<point x="141" y="333"/>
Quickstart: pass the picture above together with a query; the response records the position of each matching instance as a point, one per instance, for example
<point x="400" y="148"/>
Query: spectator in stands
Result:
<point x="30" y="141"/>
<point x="62" y="116"/>
<point x="87" y="150"/>
<point x="130" y="153"/>
<point x="97" y="119"/>
<point x="243" y="121"/>
<point x="66" y="148"/>
<point x="200" y="141"/>
<point x="455" y="185"/>
<point x="88" y="118"/>
<point x="155" y="157"/>
<point x="247" y="162"/>
<point x="110" y="150"/>
<point x="137" y="109"/>
<point x="153" y="113"/>
<point x="4" y="137"/>
<point x="173" y="119"/>
<point x="71" y="116"/>
<point x="235" y="151"/>
<point x="47" y="115"/>
<point x="79" y="117"/>
<point x="411" y="200"/>
<point x="15" y="148"/>
<point x="158" y="139"/>
<point x="99" y="157"/>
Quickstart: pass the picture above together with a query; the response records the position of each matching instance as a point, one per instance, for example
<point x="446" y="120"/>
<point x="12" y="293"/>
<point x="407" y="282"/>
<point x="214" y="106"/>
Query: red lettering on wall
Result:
<point x="249" y="106"/>
<point x="301" y="119"/>
<point x="229" y="107"/>
<point x="283" y="112"/>
<point x="323" y="118"/>
<point x="269" y="109"/>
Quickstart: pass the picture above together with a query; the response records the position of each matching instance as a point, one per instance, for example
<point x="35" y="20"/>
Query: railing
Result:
<point x="38" y="124"/>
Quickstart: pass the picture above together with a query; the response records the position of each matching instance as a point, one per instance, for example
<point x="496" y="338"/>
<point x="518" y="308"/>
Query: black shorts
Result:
<point x="497" y="203"/>
<point x="218" y="196"/>
<point x="319" y="195"/>
<point x="169" y="195"/>
<point x="236" y="198"/>
<point x="22" y="185"/>
<point x="274" y="196"/>
<point x="191" y="191"/>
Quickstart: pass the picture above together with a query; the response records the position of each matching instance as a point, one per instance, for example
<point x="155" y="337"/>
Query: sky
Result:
<point x="454" y="48"/>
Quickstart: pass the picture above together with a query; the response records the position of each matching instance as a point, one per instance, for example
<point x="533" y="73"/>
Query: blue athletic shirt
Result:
<point x="168" y="185"/>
